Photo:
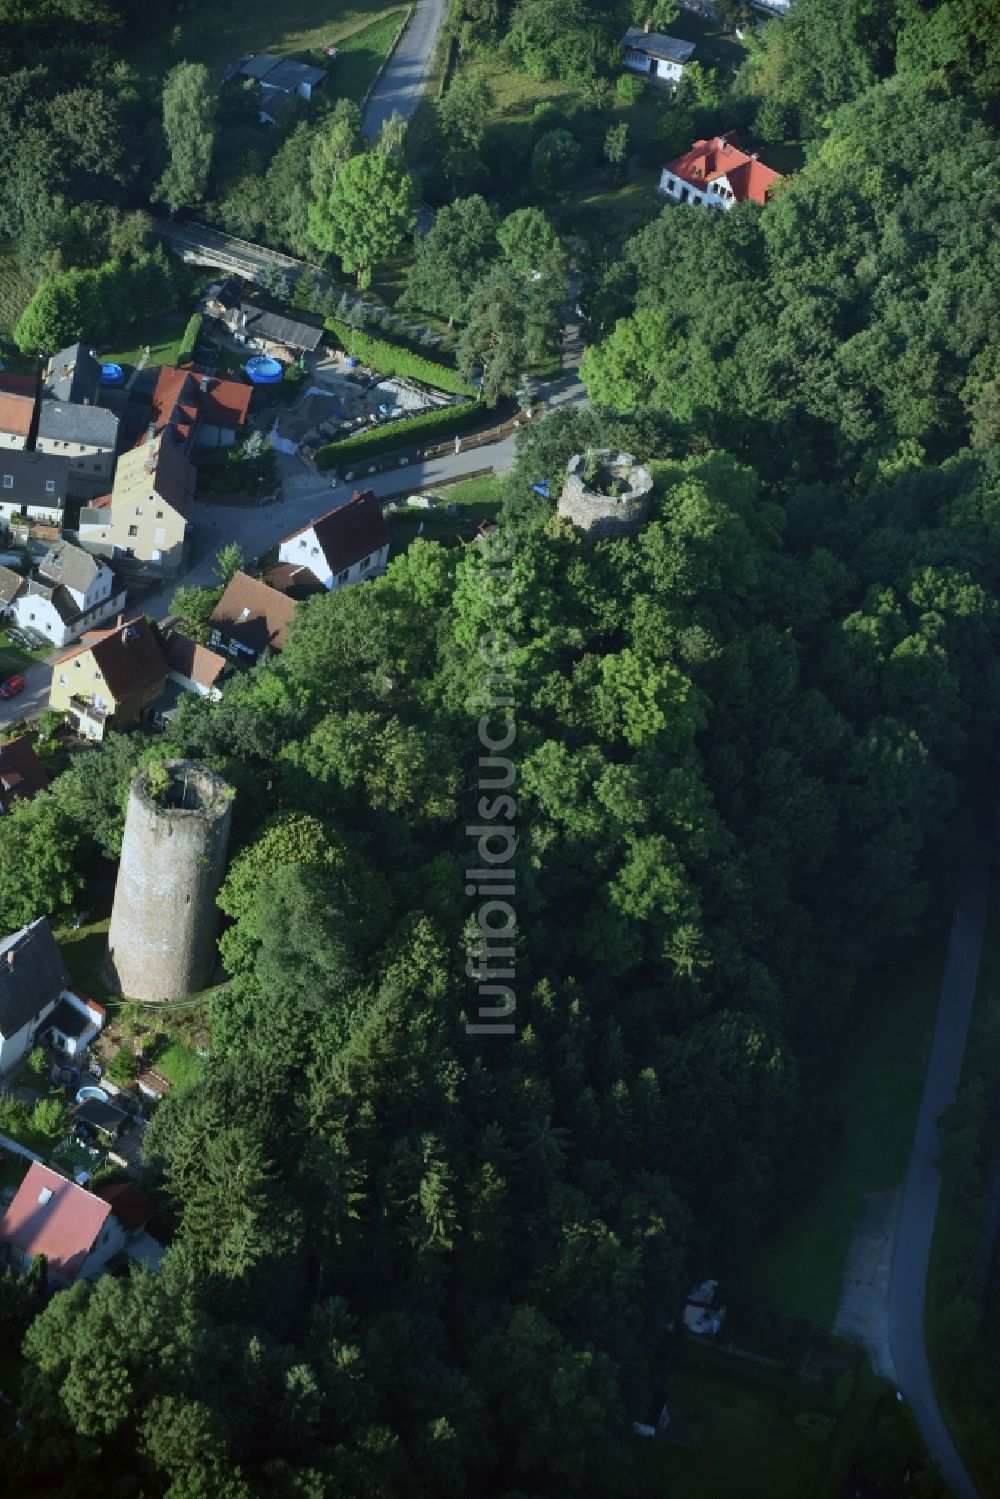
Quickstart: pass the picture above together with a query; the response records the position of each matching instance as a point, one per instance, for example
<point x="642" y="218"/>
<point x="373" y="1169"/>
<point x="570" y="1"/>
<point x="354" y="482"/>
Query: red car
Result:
<point x="11" y="687"/>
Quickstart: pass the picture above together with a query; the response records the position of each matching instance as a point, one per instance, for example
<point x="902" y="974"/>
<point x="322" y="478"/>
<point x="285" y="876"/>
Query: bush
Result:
<point x="49" y="1118"/>
<point x="13" y="1116"/>
<point x="390" y="359"/>
<point x="409" y="430"/>
<point x="773" y="120"/>
<point x="189" y="342"/>
<point x="38" y="1065"/>
<point x="813" y="1427"/>
<point x="630" y="87"/>
<point x="122" y="1068"/>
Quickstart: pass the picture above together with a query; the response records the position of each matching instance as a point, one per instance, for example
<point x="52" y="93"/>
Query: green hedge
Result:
<point x="189" y="342"/>
<point x="389" y="359"/>
<point x="429" y="426"/>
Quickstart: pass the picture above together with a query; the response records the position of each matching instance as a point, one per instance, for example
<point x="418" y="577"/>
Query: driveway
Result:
<point x="908" y="1280"/>
<point x="34" y="698"/>
<point x="408" y="68"/>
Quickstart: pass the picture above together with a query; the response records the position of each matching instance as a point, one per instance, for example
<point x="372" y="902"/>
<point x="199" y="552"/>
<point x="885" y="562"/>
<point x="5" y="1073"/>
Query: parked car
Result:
<point x="11" y="687"/>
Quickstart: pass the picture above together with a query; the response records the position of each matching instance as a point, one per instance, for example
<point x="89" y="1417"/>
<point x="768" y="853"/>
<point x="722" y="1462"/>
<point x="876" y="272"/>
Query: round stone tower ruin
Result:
<point x="161" y="944"/>
<point x="606" y="493"/>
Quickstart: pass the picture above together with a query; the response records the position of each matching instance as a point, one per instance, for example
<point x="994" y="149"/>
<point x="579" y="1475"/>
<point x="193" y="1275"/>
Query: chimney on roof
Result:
<point x="151" y="431"/>
<point x="645" y="25"/>
<point x="119" y="621"/>
<point x="11" y="955"/>
<point x="86" y="400"/>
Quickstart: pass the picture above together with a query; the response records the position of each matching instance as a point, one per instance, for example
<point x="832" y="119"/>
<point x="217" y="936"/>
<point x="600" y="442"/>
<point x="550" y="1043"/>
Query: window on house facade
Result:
<point x="342" y="577"/>
<point x="159" y="515"/>
<point x="133" y="530"/>
<point x="365" y="561"/>
<point x="63" y="680"/>
<point x="303" y="542"/>
<point x="8" y="481"/>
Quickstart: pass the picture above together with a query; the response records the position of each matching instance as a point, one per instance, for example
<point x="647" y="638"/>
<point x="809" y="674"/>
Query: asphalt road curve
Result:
<point x="908" y="1281"/>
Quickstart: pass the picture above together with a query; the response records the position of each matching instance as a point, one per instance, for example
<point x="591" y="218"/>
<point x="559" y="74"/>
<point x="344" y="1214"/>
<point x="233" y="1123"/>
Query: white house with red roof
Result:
<point x="344" y="546"/>
<point x="76" y="1231"/>
<point x="717" y="174"/>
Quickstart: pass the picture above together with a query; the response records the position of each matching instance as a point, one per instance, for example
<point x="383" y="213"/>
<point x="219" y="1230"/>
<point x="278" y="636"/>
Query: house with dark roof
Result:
<point x="86" y="437"/>
<point x="717" y="174"/>
<point x="276" y="335"/>
<point x="73" y="375"/>
<point x="347" y="545"/>
<point x="220" y="297"/>
<point x="250" y="618"/>
<point x="70" y="592"/>
<point x="280" y="80"/>
<point x="660" y="57"/>
<point x="34" y="981"/>
<point x="109" y="679"/>
<point x="22" y="774"/>
<point x="33" y="485"/>
<point x="76" y="1230"/>
<point x="96" y="1116"/>
<point x="12" y="583"/>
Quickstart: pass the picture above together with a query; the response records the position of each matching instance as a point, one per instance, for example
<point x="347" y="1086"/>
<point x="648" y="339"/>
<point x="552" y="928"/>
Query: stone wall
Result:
<point x="161" y="944"/>
<point x="602" y="514"/>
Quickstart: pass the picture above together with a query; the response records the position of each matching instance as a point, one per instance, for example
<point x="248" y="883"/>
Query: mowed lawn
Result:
<point x="227" y="30"/>
<point x="743" y="1441"/>
<point x="798" y="1269"/>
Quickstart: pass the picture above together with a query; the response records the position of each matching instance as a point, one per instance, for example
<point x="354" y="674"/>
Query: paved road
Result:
<point x="305" y="496"/>
<point x="408" y="68"/>
<point x="33" y="699"/>
<point x="908" y="1283"/>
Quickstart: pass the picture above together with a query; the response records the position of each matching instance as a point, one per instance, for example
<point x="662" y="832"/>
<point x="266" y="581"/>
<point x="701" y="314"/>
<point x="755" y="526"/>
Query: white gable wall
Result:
<point x="305" y="551"/>
<point x="34" y="612"/>
<point x="13" y="1048"/>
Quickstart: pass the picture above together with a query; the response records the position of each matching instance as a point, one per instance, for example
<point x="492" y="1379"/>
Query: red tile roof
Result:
<point x="182" y="399"/>
<point x="350" y="532"/>
<point x="18" y="385"/>
<point x="129" y="657"/>
<point x="295" y="579"/>
<point x="128" y="1204"/>
<point x="21" y="772"/>
<point x="16" y="413"/>
<point x="252" y="613"/>
<point x="54" y="1217"/>
<point x="196" y="662"/>
<point x="707" y="161"/>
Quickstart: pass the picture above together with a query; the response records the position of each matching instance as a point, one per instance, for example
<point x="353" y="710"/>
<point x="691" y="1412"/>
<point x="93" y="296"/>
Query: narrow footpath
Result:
<point x="908" y="1281"/>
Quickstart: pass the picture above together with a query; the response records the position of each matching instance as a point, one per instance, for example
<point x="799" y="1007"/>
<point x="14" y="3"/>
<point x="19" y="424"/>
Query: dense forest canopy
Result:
<point x="750" y="744"/>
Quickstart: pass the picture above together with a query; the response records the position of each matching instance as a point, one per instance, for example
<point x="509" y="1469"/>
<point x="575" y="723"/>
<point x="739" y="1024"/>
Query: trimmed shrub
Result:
<point x="429" y="426"/>
<point x="189" y="342"/>
<point x="389" y="359"/>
